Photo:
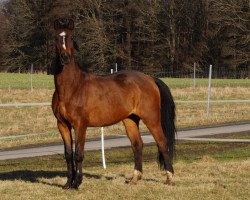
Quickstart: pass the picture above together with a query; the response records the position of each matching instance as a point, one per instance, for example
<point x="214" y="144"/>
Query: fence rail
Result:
<point x="178" y="101"/>
<point x="25" y="104"/>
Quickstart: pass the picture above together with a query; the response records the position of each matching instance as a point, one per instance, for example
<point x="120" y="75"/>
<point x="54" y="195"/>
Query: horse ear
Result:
<point x="71" y="24"/>
<point x="64" y="23"/>
<point x="76" y="47"/>
<point x="57" y="24"/>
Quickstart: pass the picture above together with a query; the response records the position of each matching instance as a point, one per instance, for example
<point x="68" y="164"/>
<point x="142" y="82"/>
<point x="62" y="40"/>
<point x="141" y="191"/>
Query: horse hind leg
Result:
<point x="165" y="161"/>
<point x="164" y="158"/>
<point x="132" y="128"/>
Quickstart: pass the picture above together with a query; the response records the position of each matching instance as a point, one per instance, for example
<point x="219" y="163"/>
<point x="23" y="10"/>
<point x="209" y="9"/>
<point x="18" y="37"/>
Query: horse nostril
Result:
<point x="65" y="57"/>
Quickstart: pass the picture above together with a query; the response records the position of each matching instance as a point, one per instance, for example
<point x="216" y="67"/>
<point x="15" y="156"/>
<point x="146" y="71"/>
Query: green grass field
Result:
<point x="22" y="81"/>
<point x="202" y="171"/>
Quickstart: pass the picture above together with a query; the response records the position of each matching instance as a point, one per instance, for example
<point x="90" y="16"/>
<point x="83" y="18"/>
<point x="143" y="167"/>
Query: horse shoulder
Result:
<point x="54" y="104"/>
<point x="58" y="108"/>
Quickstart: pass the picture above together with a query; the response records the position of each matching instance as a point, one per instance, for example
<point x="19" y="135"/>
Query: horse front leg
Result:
<point x="65" y="130"/>
<point x="80" y="136"/>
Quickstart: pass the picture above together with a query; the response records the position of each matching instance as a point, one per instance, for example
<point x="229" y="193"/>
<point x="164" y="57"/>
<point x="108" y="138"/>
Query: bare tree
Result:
<point x="229" y="33"/>
<point x="27" y="35"/>
<point x="153" y="35"/>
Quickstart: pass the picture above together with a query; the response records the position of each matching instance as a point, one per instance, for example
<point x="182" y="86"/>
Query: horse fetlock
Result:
<point x="169" y="178"/>
<point x="136" y="177"/>
<point x="138" y="174"/>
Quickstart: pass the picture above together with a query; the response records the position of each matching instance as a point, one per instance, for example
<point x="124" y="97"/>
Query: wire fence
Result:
<point x="26" y="98"/>
<point x="220" y="72"/>
<point x="34" y="78"/>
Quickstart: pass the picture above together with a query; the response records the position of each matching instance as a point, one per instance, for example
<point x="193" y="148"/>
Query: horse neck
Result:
<point x="67" y="81"/>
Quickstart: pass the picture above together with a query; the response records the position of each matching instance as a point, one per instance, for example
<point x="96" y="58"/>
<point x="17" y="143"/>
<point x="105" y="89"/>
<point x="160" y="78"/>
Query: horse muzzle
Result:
<point x="65" y="58"/>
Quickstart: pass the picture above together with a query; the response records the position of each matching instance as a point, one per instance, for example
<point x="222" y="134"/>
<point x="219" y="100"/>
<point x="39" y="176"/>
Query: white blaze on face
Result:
<point x="63" y="34"/>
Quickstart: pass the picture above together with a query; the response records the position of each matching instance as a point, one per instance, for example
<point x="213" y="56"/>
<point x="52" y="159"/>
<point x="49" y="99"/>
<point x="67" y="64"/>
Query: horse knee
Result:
<point x="78" y="157"/>
<point x="137" y="144"/>
<point x="68" y="157"/>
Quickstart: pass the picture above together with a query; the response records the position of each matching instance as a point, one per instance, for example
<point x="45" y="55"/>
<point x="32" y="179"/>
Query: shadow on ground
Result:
<point x="38" y="176"/>
<point x="35" y="176"/>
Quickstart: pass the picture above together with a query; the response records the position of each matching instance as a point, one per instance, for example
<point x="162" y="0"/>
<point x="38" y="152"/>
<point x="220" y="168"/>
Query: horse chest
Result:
<point x="62" y="111"/>
<point x="69" y="113"/>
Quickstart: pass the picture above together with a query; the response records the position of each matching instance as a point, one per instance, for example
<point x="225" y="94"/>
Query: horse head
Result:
<point x="65" y="43"/>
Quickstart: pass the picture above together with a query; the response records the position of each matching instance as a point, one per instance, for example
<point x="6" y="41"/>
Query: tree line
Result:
<point x="146" y="35"/>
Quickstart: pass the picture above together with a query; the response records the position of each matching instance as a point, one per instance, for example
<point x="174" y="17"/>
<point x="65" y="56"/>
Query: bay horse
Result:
<point x="82" y="99"/>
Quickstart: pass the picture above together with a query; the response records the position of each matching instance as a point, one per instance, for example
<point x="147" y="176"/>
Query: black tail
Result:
<point x="167" y="120"/>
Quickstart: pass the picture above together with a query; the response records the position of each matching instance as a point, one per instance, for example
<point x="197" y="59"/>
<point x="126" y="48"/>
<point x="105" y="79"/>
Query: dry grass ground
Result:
<point x="40" y="120"/>
<point x="206" y="179"/>
<point x="203" y="171"/>
<point x="30" y="120"/>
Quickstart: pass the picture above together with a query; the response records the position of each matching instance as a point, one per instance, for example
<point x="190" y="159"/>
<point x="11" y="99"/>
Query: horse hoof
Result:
<point x="66" y="186"/>
<point x="77" y="181"/>
<point x="132" y="183"/>
<point x="136" y="177"/>
<point x="170" y="183"/>
<point x="75" y="185"/>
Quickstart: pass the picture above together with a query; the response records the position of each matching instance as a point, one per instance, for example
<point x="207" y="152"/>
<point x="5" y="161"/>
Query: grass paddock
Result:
<point x="203" y="170"/>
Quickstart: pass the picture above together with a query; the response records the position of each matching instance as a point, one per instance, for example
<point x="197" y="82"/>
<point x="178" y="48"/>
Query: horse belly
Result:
<point x="108" y="115"/>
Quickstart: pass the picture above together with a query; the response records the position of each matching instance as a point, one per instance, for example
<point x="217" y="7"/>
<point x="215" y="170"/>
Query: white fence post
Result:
<point x="116" y="68"/>
<point x="102" y="139"/>
<point x="103" y="153"/>
<point x="31" y="81"/>
<point x="194" y="74"/>
<point x="209" y="90"/>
